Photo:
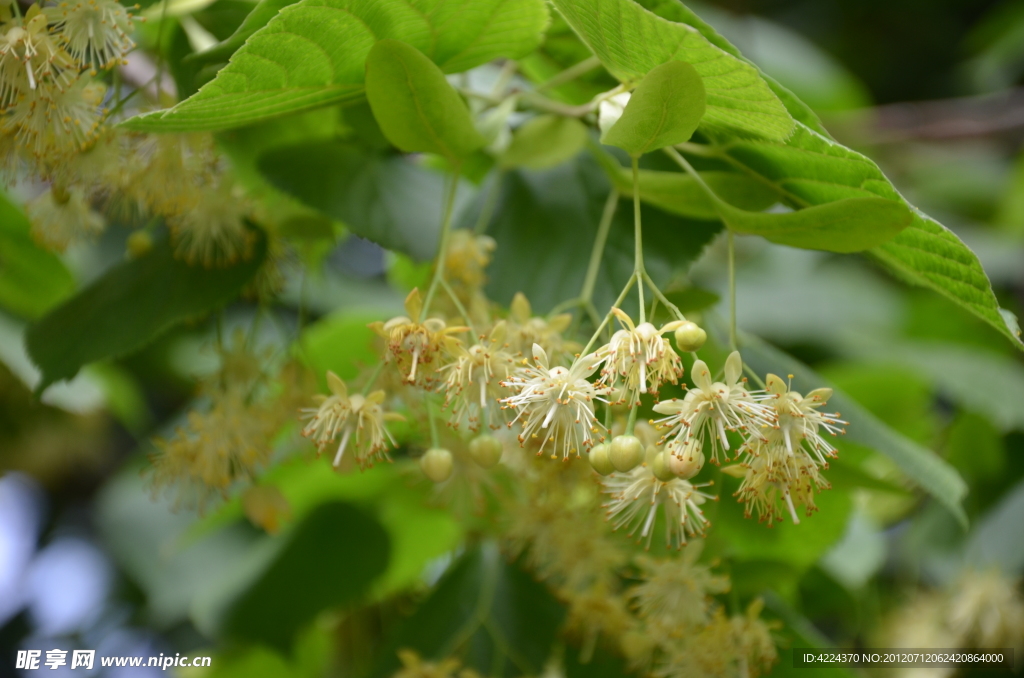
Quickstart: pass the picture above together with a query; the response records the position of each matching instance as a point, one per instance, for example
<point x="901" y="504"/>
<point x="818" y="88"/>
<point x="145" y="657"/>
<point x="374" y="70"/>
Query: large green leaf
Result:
<point x="848" y="225"/>
<point x="810" y="169"/>
<point x="545" y="224"/>
<point x="416" y="108"/>
<point x="31" y="279"/>
<point x="327" y="560"/>
<point x="489" y="613"/>
<point x="664" y="110"/>
<point x="130" y="305"/>
<point x="387" y="199"/>
<point x="631" y="41"/>
<point x="926" y="469"/>
<point x="313" y="53"/>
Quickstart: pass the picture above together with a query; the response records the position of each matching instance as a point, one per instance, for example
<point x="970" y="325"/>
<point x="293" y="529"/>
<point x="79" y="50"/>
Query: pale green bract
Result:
<point x="313" y="53"/>
<point x="664" y="110"/>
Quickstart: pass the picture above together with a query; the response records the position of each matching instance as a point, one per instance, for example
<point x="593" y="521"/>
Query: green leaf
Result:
<point x="679" y="193"/>
<point x="848" y="225"/>
<point x="387" y="199"/>
<point x="664" y="110"/>
<point x="491" y="614"/>
<point x="926" y="469"/>
<point x="32" y="280"/>
<point x="631" y="41"/>
<point x="676" y="11"/>
<point x="546" y="222"/>
<point x="416" y="108"/>
<point x="930" y="255"/>
<point x="543" y="142"/>
<point x="996" y="540"/>
<point x="129" y="306"/>
<point x="312" y="54"/>
<point x="810" y="169"/>
<point x="315" y="569"/>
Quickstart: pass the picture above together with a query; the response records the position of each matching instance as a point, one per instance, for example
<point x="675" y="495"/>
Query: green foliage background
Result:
<point x="909" y="319"/>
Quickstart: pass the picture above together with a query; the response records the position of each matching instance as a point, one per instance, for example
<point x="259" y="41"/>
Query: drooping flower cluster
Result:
<point x="230" y="440"/>
<point x="48" y="102"/>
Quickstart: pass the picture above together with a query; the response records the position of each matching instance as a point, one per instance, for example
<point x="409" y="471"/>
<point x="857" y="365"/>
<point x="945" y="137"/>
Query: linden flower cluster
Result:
<point x="481" y="371"/>
<point x="48" y="102"/>
<point x="783" y="468"/>
<point x="231" y="439"/>
<point x="52" y="119"/>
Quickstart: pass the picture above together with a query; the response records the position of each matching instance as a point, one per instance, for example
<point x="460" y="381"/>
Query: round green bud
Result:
<point x="600" y="459"/>
<point x="437" y="464"/>
<point x="660" y="467"/>
<point x="690" y="337"/>
<point x="138" y="244"/>
<point x="486" y="450"/>
<point x="626" y="452"/>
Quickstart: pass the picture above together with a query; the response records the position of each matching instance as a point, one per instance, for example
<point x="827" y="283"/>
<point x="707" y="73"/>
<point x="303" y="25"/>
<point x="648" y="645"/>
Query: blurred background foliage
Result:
<point x="933" y="90"/>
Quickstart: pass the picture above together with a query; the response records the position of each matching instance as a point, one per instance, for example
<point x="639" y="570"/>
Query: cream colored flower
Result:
<point x="639" y="359"/>
<point x="359" y="420"/>
<point x="94" y="32"/>
<point x="555" y="405"/>
<point x="225" y="444"/>
<point x="525" y="330"/>
<point x="213" y="233"/>
<point x="637" y="496"/>
<point x="798" y="421"/>
<point x="61" y="217"/>
<point x="29" y="53"/>
<point x="677" y="592"/>
<point x="713" y="408"/>
<point x="416" y="347"/>
<point x="774" y="479"/>
<point x="986" y="610"/>
<point x="473" y="383"/>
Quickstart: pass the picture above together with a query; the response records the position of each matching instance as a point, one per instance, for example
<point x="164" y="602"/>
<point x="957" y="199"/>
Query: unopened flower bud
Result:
<point x="486" y="450"/>
<point x="138" y="244"/>
<point x="610" y="110"/>
<point x="437" y="464"/>
<point x="600" y="459"/>
<point x="626" y="452"/>
<point x="690" y="337"/>
<point x="660" y="465"/>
